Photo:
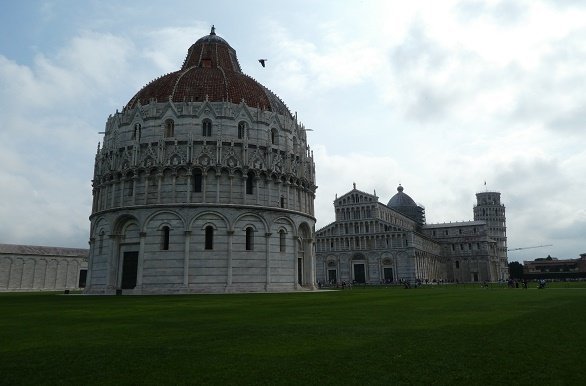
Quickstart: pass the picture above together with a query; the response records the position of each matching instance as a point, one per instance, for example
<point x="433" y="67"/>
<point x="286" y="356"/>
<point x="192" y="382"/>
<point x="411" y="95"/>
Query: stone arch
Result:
<point x="62" y="269"/>
<point x="207" y="213"/>
<point x="332" y="269"/>
<point x="28" y="271"/>
<point x="40" y="274"/>
<point x="51" y="274"/>
<point x="121" y="222"/>
<point x="177" y="221"/>
<point x="72" y="274"/>
<point x="305" y="256"/>
<point x="5" y="264"/>
<point x="277" y="223"/>
<point x="198" y="226"/>
<point x="388" y="268"/>
<point x="284" y="230"/>
<point x="304" y="230"/>
<point x="359" y="268"/>
<point x="257" y="217"/>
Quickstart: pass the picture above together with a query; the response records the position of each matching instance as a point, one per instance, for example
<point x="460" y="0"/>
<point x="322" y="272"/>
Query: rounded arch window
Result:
<point x="282" y="240"/>
<point x="169" y="128"/>
<point x="209" y="237"/>
<point x="249" y="239"/>
<point x="165" y="238"/>
<point x="274" y="136"/>
<point x="136" y="131"/>
<point x="250" y="183"/>
<point x="241" y="129"/>
<point x="206" y="128"/>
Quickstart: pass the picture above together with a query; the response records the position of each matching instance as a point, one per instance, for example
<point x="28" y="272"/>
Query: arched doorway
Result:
<point x="128" y="240"/>
<point x="305" y="265"/>
<point x="359" y="268"/>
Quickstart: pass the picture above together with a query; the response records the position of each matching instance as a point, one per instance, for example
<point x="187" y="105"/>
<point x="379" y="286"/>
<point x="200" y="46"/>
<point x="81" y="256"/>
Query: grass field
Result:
<point x="435" y="335"/>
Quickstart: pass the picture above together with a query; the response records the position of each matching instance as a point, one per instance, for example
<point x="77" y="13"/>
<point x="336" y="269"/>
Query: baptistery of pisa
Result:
<point x="204" y="182"/>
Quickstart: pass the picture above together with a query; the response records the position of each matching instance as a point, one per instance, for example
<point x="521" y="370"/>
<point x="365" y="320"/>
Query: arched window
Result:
<point x="274" y="137"/>
<point x="165" y="235"/>
<point x="241" y="130"/>
<point x="136" y="132"/>
<point x="282" y="201"/>
<point x="282" y="240"/>
<point x="249" y="239"/>
<point x="457" y="264"/>
<point x="250" y="183"/>
<point x="169" y="128"/>
<point x="130" y="180"/>
<point x="197" y="179"/>
<point x="209" y="243"/>
<point x="206" y="128"/>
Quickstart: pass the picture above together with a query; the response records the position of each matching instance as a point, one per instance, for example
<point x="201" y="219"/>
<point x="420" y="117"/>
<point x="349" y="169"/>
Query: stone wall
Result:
<point x="31" y="268"/>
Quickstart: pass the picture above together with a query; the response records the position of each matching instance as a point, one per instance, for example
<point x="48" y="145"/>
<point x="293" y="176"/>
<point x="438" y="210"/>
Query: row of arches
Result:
<point x="358" y="228"/>
<point x="354" y="213"/>
<point x="211" y="185"/>
<point x="360" y="269"/>
<point x="38" y="273"/>
<point x="206" y="250"/>
<point x="241" y="131"/>
<point x="386" y="267"/>
<point x="362" y="242"/>
<point x="229" y="221"/>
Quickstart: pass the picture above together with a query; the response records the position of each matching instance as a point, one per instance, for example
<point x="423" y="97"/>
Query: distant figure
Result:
<point x="263" y="61"/>
<point x="524" y="283"/>
<point x="541" y="284"/>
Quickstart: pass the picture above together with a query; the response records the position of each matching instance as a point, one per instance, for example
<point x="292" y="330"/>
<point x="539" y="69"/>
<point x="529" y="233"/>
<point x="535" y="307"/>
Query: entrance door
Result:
<point x="388" y="275"/>
<point x="359" y="274"/>
<point x="82" y="278"/>
<point x="129" y="269"/>
<point x="332" y="277"/>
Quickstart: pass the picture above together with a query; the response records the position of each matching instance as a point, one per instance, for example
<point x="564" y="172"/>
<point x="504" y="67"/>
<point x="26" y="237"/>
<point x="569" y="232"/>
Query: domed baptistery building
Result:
<point x="204" y="183"/>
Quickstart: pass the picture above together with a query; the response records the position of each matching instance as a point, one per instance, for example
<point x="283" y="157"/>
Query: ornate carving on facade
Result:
<point x="180" y="196"/>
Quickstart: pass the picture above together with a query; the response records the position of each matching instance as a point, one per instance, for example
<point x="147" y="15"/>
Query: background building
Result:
<point x="33" y="268"/>
<point x="554" y="268"/>
<point x="375" y="243"/>
<point x="204" y="183"/>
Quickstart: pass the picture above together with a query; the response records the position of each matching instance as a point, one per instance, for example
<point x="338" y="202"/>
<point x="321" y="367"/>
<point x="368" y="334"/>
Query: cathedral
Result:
<point x="373" y="243"/>
<point x="204" y="183"/>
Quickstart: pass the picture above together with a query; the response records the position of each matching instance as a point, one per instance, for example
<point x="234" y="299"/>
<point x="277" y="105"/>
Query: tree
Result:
<point x="515" y="270"/>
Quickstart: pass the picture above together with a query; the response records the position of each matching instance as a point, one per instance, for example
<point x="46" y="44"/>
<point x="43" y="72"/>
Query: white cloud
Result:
<point x="438" y="96"/>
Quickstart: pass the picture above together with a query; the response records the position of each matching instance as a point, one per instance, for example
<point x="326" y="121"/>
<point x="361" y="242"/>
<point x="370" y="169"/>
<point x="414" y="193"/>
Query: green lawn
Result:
<point x="437" y="335"/>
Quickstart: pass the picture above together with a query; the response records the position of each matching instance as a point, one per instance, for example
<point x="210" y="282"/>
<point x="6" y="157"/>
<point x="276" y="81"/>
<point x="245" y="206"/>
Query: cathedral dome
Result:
<point x="210" y="72"/>
<point x="401" y="199"/>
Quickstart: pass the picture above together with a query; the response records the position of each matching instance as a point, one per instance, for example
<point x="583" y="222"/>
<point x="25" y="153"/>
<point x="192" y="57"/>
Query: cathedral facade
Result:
<point x="373" y="243"/>
<point x="204" y="183"/>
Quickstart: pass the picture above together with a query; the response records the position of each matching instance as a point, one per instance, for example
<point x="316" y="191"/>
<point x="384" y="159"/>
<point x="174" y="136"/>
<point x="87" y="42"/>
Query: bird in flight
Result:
<point x="263" y="62"/>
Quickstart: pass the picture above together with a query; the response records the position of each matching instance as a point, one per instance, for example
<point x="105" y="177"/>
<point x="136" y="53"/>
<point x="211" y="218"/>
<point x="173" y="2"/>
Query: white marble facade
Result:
<point x="40" y="268"/>
<point x="373" y="243"/>
<point x="204" y="183"/>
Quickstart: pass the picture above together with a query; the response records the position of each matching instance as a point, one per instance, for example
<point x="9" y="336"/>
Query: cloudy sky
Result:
<point x="437" y="96"/>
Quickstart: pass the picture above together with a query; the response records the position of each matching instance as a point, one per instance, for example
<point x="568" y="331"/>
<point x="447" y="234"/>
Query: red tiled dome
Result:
<point x="211" y="70"/>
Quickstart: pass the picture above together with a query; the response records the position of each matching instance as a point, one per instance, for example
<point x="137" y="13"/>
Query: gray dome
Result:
<point x="401" y="199"/>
